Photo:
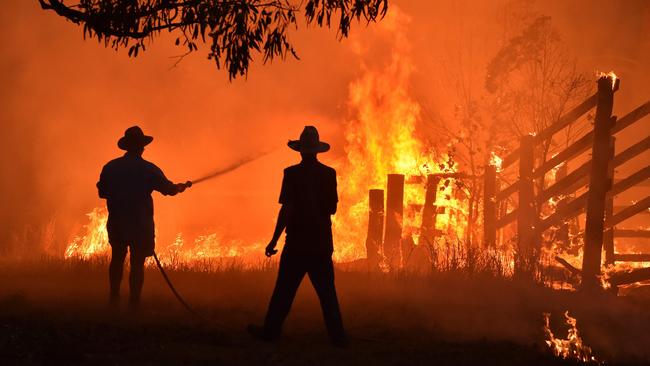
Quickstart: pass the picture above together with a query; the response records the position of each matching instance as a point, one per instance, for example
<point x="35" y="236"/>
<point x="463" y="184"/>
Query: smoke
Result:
<point x="64" y="103"/>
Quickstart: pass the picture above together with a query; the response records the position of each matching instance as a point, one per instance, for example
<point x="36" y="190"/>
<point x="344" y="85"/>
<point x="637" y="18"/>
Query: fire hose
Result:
<point x="208" y="176"/>
<point x="176" y="294"/>
<point x="227" y="169"/>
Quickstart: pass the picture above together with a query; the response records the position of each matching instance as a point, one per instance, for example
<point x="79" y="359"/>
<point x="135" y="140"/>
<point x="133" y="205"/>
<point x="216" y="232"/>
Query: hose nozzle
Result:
<point x="183" y="186"/>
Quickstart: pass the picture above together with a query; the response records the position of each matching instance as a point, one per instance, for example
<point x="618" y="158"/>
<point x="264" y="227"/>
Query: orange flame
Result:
<point x="570" y="348"/>
<point x="382" y="139"/>
<point x="95" y="241"/>
<point x="496" y="160"/>
<point x="610" y="75"/>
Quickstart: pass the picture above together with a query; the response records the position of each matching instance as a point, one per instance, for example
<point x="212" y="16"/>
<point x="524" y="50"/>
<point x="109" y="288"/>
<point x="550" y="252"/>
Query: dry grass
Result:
<point x="54" y="310"/>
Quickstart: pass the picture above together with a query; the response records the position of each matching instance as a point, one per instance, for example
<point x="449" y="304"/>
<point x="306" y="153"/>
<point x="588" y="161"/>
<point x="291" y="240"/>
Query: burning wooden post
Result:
<point x="375" y="226"/>
<point x="608" y="236"/>
<point x="490" y="206"/>
<point x="527" y="220"/>
<point x="394" y="214"/>
<point x="430" y="211"/>
<point x="600" y="159"/>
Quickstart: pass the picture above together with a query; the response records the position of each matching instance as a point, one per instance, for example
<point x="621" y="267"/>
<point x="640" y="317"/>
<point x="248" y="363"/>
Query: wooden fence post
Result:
<point x="375" y="227"/>
<point x="394" y="214"/>
<point x="600" y="158"/>
<point x="527" y="253"/>
<point x="502" y="210"/>
<point x="428" y="231"/>
<point x="608" y="235"/>
<point x="562" y="234"/>
<point x="490" y="207"/>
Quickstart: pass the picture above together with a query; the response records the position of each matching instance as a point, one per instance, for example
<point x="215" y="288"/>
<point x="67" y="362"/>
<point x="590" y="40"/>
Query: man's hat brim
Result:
<point x="126" y="143"/>
<point x="297" y="146"/>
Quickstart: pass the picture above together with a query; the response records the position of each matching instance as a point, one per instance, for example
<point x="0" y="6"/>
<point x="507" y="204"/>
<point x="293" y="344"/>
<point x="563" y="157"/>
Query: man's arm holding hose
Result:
<point x="167" y="187"/>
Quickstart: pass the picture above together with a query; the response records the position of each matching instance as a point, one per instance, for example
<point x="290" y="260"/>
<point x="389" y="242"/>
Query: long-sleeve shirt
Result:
<point x="127" y="183"/>
<point x="310" y="189"/>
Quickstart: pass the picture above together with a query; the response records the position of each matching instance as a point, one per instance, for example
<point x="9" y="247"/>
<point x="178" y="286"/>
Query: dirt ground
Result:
<point x="54" y="312"/>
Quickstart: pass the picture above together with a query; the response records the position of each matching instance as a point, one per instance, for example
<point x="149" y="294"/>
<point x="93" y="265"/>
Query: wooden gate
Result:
<point x="598" y="173"/>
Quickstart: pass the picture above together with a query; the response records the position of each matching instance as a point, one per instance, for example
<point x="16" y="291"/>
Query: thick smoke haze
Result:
<point x="66" y="101"/>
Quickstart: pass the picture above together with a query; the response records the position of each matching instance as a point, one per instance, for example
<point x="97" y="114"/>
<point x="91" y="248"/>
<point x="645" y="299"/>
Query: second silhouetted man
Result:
<point x="308" y="198"/>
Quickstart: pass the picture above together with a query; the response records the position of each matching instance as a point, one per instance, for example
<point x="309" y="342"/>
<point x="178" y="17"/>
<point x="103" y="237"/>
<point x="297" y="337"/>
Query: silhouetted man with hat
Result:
<point x="127" y="183"/>
<point x="308" y="197"/>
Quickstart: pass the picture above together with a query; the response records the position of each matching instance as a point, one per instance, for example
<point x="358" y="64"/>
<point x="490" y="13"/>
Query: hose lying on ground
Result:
<point x="171" y="287"/>
<point x="211" y="175"/>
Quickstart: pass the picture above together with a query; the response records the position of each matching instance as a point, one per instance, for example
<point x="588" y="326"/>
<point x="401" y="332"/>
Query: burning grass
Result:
<point x="572" y="347"/>
<point x="209" y="253"/>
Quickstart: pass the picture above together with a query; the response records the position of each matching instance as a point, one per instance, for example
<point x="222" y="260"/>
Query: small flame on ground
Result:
<point x="572" y="347"/>
<point x="95" y="241"/>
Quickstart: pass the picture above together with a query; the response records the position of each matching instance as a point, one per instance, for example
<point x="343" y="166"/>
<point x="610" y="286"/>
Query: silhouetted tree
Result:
<point x="233" y="28"/>
<point x="534" y="80"/>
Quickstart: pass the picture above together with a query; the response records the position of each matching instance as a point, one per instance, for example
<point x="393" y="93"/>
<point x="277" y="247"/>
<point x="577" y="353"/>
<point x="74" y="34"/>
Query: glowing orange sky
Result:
<point x="66" y="101"/>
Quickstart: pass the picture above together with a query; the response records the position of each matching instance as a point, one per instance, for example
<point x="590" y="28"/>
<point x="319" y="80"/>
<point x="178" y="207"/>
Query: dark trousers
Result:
<point x="136" y="275"/>
<point x="293" y="267"/>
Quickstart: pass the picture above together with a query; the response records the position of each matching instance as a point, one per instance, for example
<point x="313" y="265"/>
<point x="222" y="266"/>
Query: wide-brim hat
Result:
<point x="309" y="142"/>
<point x="133" y="139"/>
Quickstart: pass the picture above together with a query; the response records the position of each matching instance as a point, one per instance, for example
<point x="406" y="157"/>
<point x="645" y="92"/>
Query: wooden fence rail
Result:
<point x="597" y="174"/>
<point x="602" y="216"/>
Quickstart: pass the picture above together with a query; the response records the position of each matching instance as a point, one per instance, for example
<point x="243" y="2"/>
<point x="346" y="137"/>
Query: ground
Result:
<point x="54" y="312"/>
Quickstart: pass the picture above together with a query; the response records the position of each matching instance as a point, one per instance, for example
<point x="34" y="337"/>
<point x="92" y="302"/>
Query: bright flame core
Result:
<point x="496" y="160"/>
<point x="382" y="139"/>
<point x="95" y="241"/>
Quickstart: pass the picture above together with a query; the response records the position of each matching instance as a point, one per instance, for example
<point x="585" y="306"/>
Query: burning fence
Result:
<point x="400" y="194"/>
<point x="409" y="196"/>
<point x="384" y="152"/>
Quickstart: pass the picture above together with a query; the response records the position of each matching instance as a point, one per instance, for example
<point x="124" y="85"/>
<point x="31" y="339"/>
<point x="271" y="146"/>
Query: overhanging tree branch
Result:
<point x="234" y="29"/>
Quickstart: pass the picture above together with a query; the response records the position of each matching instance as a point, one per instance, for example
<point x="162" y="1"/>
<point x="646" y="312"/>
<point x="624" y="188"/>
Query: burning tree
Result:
<point x="533" y="81"/>
<point x="234" y="29"/>
<point x="530" y="81"/>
